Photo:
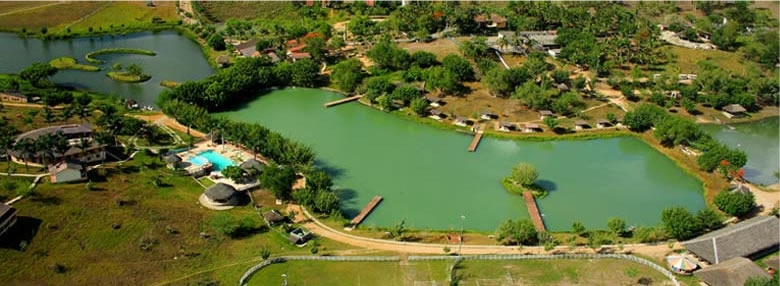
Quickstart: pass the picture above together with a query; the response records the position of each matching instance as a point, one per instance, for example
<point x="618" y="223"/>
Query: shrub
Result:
<point x="735" y="203"/>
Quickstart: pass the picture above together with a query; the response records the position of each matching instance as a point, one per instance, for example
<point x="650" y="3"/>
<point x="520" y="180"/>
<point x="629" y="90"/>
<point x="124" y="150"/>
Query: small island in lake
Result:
<point x="133" y="73"/>
<point x="69" y="63"/>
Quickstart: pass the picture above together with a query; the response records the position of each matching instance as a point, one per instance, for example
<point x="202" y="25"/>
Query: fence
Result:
<point x="632" y="258"/>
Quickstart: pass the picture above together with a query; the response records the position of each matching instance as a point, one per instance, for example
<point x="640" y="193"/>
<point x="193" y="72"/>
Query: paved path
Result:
<point x="303" y="216"/>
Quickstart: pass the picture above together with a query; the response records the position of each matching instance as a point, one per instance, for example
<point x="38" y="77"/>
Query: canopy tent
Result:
<point x="681" y="263"/>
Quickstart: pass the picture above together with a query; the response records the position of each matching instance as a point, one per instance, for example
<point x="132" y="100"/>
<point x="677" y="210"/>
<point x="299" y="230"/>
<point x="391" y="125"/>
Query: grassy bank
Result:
<point x="90" y="57"/>
<point x="169" y="83"/>
<point x="128" y="77"/>
<point x="69" y="63"/>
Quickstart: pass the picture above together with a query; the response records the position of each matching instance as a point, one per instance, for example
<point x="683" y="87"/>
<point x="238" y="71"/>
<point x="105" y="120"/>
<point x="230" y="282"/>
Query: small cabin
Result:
<point x="436" y="114"/>
<point x="603" y="123"/>
<point x="13" y="97"/>
<point x="487" y="115"/>
<point x="505" y="126"/>
<point x="461" y="121"/>
<point x="531" y="128"/>
<point x="734" y="111"/>
<point x="544" y="113"/>
<point x="433" y="101"/>
<point x="221" y="194"/>
<point x="581" y="125"/>
<point x="273" y="217"/>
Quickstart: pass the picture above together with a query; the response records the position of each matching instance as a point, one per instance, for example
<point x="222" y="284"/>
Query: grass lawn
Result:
<point x="64" y="63"/>
<point x="127" y="15"/>
<point x="10" y="185"/>
<point x="686" y="60"/>
<point x="354" y="273"/>
<point x="557" y="272"/>
<point x="11" y="6"/>
<point x="67" y="224"/>
<point x="440" y="47"/>
<point x="54" y="17"/>
<point x="128" y="77"/>
<point x="220" y="11"/>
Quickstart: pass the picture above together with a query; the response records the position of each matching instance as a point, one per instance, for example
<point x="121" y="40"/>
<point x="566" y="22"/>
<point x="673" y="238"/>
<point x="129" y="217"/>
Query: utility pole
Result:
<point x="462" y="218"/>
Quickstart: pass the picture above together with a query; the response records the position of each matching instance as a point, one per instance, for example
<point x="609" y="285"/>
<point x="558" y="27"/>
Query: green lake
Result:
<point x="761" y="142"/>
<point x="427" y="177"/>
<point x="178" y="59"/>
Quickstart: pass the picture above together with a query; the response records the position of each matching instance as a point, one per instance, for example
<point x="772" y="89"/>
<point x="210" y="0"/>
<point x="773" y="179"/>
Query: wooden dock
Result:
<point x="477" y="138"/>
<point x="366" y="210"/>
<point x="344" y="100"/>
<point x="533" y="211"/>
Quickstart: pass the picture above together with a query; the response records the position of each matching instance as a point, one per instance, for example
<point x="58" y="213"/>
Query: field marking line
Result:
<point x="31" y="8"/>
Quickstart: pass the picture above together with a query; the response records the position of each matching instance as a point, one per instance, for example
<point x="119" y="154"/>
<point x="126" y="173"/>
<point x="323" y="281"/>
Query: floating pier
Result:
<point x="533" y="211"/>
<point x="345" y="100"/>
<point x="366" y="210"/>
<point x="477" y="138"/>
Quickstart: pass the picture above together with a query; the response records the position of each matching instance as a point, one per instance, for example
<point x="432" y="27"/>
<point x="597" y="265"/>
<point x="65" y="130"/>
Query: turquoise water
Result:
<point x="428" y="178"/>
<point x="761" y="142"/>
<point x="218" y="161"/>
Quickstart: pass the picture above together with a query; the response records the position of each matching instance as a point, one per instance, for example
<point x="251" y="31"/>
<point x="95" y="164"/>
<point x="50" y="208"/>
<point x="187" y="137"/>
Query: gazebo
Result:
<point x="221" y="194"/>
<point x="681" y="264"/>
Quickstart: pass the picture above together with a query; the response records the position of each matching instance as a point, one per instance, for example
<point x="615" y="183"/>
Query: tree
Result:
<point x="715" y="153"/>
<point x="135" y="69"/>
<point x="234" y="173"/>
<point x="551" y="122"/>
<point x="398" y="230"/>
<point x="216" y="42"/>
<point x="680" y="223"/>
<point x="441" y="79"/>
<point x="304" y="73"/>
<point x="423" y="59"/>
<point x="278" y="179"/>
<point x="315" y="46"/>
<point x="709" y="219"/>
<point x="327" y="202"/>
<point x="460" y="67"/>
<point x="644" y="117"/>
<point x="617" y="226"/>
<point x="611" y="117"/>
<point x="406" y="93"/>
<point x="348" y="74"/>
<point x="419" y="106"/>
<point x="735" y="203"/>
<point x="44" y="30"/>
<point x="524" y="174"/>
<point x="116" y="67"/>
<point x="48" y="115"/>
<point x="388" y="56"/>
<point x="521" y="231"/>
<point x="726" y="37"/>
<point x="377" y="86"/>
<point x="318" y="180"/>
<point x="475" y="49"/>
<point x="38" y="71"/>
<point x="578" y="228"/>
<point x="674" y="130"/>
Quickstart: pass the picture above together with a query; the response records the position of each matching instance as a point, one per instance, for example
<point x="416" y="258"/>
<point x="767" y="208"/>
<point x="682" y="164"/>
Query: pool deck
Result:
<point x="226" y="150"/>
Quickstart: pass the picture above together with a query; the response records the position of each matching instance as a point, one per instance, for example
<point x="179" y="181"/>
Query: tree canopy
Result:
<point x="735" y="203"/>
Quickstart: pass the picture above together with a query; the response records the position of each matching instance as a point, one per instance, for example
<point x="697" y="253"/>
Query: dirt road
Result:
<point x="170" y="122"/>
<point x="186" y="6"/>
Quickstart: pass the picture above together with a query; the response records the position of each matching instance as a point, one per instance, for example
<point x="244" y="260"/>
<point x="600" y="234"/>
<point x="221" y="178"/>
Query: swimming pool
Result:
<point x="218" y="161"/>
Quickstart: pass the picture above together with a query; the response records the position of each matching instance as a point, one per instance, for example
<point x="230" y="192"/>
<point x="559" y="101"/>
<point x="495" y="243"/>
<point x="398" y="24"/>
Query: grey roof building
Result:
<point x="732" y="272"/>
<point x="272" y="217"/>
<point x="252" y="166"/>
<point x="744" y="239"/>
<point x="7" y="217"/>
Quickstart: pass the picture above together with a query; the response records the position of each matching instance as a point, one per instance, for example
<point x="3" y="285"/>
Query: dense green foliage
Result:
<point x="348" y="74"/>
<point x="37" y="72"/>
<point x="278" y="179"/>
<point x="233" y="227"/>
<point x="386" y="55"/>
<point x="524" y="174"/>
<point x="735" y="203"/>
<point x="377" y="86"/>
<point x="680" y="223"/>
<point x="616" y="225"/>
<point x="234" y="173"/>
<point x="521" y="231"/>
<point x="216" y="42"/>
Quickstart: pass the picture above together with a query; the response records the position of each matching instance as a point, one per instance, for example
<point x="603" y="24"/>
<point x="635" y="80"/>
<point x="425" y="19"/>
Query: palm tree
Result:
<point x="84" y="144"/>
<point x="502" y="42"/>
<point x="26" y="148"/>
<point x="48" y="115"/>
<point x="59" y="143"/>
<point x="43" y="146"/>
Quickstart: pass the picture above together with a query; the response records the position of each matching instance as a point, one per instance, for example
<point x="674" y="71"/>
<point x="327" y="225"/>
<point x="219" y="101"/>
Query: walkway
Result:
<point x="344" y="100"/>
<point x="477" y="138"/>
<point x="366" y="210"/>
<point x="309" y="222"/>
<point x="533" y="211"/>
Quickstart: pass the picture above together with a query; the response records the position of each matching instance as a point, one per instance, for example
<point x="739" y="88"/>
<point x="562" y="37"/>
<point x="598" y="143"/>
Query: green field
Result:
<point x="471" y="272"/>
<point x="80" y="16"/>
<point x="220" y="11"/>
<point x="686" y="60"/>
<point x="69" y="63"/>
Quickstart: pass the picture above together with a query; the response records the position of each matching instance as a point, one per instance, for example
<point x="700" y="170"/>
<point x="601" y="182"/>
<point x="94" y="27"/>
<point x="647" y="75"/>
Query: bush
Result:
<point x="616" y="225"/>
<point x="524" y="174"/>
<point x="680" y="223"/>
<point x="735" y="203"/>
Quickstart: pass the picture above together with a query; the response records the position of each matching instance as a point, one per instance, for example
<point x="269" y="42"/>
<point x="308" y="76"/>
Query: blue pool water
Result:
<point x="218" y="161"/>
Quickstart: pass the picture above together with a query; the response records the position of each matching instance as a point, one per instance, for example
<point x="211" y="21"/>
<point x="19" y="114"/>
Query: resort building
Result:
<point x="252" y="167"/>
<point x="732" y="272"/>
<point x="273" y="217"/>
<point x="436" y="114"/>
<point x="545" y="113"/>
<point x="751" y="237"/>
<point x="173" y="161"/>
<point x="487" y="115"/>
<point x="247" y="49"/>
<point x="221" y="195"/>
<point x="531" y="128"/>
<point x="433" y="101"/>
<point x="12" y="96"/>
<point x="461" y="121"/>
<point x="492" y="21"/>
<point x="299" y="236"/>
<point x="7" y="217"/>
<point x="505" y="126"/>
<point x="74" y="134"/>
<point x="734" y="111"/>
<point x="581" y="125"/>
<point x="603" y="123"/>
<point x="65" y="172"/>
